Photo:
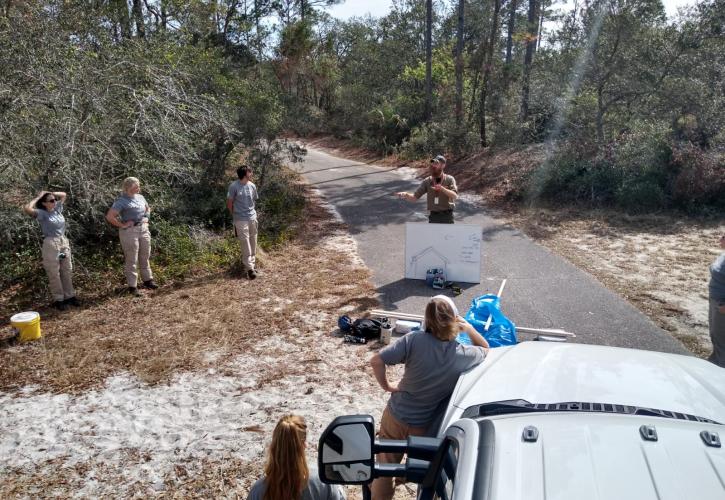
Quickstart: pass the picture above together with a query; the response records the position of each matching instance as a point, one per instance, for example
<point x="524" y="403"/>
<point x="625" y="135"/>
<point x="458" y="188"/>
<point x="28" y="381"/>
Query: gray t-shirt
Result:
<point x="717" y="279"/>
<point x="51" y="223"/>
<point x="130" y="207"/>
<point x="315" y="489"/>
<point x="243" y="197"/>
<point x="432" y="368"/>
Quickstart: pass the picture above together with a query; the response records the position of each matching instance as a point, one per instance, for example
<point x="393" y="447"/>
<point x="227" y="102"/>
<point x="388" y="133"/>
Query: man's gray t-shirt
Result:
<point x="51" y="223"/>
<point x="717" y="279"/>
<point x="315" y="489"/>
<point x="130" y="207"/>
<point x="432" y="367"/>
<point x="243" y="197"/>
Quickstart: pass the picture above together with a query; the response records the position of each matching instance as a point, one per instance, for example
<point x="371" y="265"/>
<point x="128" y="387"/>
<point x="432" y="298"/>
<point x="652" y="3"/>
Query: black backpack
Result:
<point x="366" y="328"/>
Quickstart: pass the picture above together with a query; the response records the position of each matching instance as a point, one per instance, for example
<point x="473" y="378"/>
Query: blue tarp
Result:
<point x="501" y="330"/>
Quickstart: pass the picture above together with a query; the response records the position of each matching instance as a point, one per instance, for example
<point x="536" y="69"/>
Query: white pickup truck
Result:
<point x="546" y="420"/>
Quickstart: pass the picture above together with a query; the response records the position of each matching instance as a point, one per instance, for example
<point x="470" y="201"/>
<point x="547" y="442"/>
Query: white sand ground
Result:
<point x="128" y="439"/>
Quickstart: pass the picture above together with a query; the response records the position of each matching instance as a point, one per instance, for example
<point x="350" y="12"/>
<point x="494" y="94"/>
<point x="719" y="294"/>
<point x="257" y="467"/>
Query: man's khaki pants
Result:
<point x="383" y="488"/>
<point x="59" y="270"/>
<point x="247" y="234"/>
<point x="136" y="244"/>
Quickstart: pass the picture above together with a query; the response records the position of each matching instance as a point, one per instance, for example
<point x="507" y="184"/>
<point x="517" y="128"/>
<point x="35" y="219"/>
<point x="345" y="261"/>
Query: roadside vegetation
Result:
<point x="623" y="106"/>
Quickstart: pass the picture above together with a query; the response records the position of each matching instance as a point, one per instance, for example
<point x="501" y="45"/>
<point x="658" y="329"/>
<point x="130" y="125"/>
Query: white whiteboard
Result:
<point x="453" y="247"/>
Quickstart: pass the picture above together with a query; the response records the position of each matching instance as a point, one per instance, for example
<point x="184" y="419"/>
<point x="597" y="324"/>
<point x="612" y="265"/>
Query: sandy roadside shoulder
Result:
<point x="175" y="395"/>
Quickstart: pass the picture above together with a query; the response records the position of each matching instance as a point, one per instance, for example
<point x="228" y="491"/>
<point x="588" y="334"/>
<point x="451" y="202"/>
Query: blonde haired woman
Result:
<point x="286" y="475"/>
<point x="130" y="214"/>
<point x="433" y="362"/>
<point x="47" y="208"/>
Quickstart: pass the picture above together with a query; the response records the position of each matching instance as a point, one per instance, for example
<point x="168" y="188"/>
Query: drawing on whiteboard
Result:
<point x="428" y="258"/>
<point x="454" y="248"/>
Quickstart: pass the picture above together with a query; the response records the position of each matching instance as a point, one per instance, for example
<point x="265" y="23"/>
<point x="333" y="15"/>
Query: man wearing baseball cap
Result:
<point x="441" y="191"/>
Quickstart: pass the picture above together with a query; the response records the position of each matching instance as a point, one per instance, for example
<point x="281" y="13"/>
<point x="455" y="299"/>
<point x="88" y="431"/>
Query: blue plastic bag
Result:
<point x="501" y="330"/>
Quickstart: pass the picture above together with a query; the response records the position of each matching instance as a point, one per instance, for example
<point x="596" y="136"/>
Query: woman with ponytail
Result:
<point x="286" y="474"/>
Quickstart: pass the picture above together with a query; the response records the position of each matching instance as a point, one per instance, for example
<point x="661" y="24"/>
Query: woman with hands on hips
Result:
<point x="130" y="214"/>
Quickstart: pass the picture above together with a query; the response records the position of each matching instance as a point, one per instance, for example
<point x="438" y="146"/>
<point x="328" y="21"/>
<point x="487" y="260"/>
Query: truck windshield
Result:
<point x="523" y="406"/>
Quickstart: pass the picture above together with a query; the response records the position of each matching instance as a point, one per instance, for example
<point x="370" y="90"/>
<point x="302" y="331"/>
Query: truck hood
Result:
<point x="599" y="457"/>
<point x="544" y="372"/>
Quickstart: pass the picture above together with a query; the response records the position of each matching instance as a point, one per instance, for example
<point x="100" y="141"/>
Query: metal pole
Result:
<point x="490" y="316"/>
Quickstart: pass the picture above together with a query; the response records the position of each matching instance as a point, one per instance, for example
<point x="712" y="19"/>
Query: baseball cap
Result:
<point x="439" y="159"/>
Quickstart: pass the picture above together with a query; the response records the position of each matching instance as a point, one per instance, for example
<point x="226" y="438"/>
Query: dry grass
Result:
<point x="271" y="335"/>
<point x="172" y="329"/>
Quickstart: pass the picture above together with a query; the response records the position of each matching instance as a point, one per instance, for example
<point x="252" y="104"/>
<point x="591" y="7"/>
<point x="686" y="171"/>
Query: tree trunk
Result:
<point x="541" y="25"/>
<point x="600" y="116"/>
<point x="493" y="38"/>
<point x="138" y="18"/>
<point x="531" y="30"/>
<point x="459" y="63"/>
<point x="123" y="18"/>
<point x="510" y="34"/>
<point x="428" y="59"/>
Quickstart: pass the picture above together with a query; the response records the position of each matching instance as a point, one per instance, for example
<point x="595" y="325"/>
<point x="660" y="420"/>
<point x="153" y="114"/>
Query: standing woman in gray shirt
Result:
<point x="717" y="307"/>
<point x="286" y="475"/>
<point x="130" y="214"/>
<point x="47" y="207"/>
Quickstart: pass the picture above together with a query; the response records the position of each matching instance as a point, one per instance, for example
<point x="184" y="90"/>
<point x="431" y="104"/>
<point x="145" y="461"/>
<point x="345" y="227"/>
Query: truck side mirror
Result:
<point x="345" y="452"/>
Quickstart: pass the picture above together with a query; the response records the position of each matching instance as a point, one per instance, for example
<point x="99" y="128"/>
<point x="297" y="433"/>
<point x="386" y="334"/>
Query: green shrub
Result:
<point x="641" y="195"/>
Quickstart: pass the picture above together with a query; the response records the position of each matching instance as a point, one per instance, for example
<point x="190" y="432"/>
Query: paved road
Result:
<point x="542" y="289"/>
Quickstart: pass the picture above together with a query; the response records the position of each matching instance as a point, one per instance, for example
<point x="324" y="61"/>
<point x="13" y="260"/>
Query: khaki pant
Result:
<point x="717" y="334"/>
<point x="59" y="270"/>
<point x="136" y="244"/>
<point x="383" y="488"/>
<point x="247" y="233"/>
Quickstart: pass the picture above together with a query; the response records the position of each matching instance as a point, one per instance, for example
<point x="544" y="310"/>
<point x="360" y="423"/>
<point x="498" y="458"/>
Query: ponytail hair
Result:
<point x="440" y="319"/>
<point x="286" y="472"/>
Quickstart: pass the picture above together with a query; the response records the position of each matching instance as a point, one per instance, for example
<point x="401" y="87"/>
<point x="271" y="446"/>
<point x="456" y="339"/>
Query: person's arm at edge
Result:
<point x="230" y="206"/>
<point x="380" y="373"/>
<point x="60" y="196"/>
<point x="30" y="207"/>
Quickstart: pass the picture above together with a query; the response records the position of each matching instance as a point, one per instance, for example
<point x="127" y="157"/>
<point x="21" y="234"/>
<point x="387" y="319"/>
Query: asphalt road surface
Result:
<point x="542" y="290"/>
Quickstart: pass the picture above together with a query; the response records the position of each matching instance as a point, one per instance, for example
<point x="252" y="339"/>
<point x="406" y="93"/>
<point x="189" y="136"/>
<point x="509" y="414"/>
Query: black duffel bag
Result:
<point x="366" y="328"/>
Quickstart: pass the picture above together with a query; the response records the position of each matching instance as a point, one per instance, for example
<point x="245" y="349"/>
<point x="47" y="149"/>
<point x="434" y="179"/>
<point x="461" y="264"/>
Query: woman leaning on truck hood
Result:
<point x="433" y="362"/>
<point x="717" y="307"/>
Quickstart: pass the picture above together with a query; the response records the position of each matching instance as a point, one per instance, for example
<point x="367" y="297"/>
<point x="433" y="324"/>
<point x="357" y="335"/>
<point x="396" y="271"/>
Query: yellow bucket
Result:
<point x="28" y="324"/>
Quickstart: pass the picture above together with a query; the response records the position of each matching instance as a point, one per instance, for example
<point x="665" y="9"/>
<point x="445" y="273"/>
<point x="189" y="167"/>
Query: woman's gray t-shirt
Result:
<point x="51" y="223"/>
<point x="315" y="489"/>
<point x="717" y="279"/>
<point x="130" y="207"/>
<point x="432" y="368"/>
